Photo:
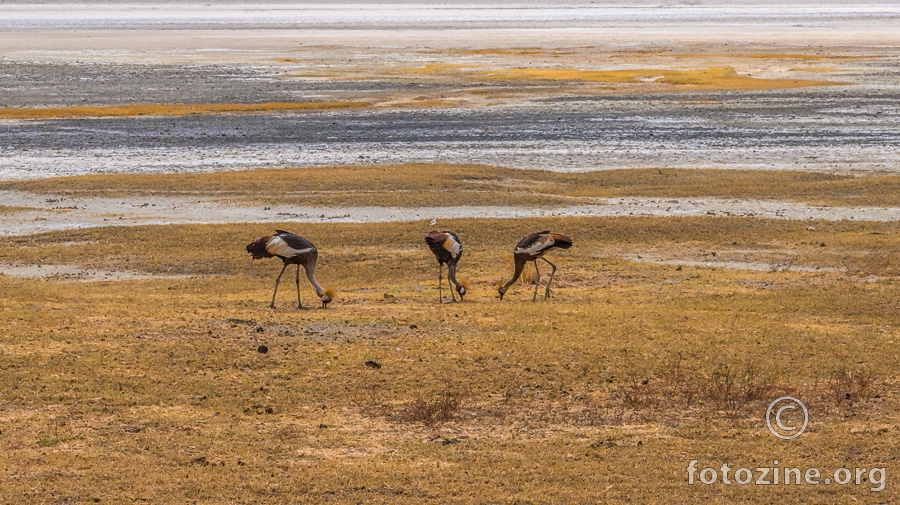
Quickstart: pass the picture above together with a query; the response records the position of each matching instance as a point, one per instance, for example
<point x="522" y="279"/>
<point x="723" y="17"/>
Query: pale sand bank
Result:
<point x="61" y="213"/>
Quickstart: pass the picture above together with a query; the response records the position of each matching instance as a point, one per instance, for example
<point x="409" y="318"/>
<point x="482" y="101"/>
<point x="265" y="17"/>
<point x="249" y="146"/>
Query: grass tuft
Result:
<point x="51" y="441"/>
<point x="430" y="412"/>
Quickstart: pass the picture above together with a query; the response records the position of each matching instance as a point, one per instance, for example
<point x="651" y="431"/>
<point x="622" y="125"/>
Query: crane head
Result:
<point x="502" y="291"/>
<point x="327" y="296"/>
<point x="463" y="287"/>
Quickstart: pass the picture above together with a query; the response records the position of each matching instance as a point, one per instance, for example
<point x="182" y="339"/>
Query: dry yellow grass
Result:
<point x="155" y="391"/>
<point x="174" y="109"/>
<point x="424" y="184"/>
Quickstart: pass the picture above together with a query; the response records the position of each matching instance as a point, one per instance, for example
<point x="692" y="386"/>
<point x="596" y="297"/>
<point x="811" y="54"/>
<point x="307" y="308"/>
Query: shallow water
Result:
<point x="75" y="274"/>
<point x="444" y="15"/>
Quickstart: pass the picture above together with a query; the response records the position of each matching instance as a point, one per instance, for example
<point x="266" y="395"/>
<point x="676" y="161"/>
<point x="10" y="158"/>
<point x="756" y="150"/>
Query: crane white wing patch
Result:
<point x="279" y="247"/>
<point x="540" y="245"/>
<point x="452" y="246"/>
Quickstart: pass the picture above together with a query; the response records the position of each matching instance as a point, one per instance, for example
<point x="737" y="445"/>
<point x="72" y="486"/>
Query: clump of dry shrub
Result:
<point x="430" y="412"/>
<point x="727" y="388"/>
<point x="731" y="390"/>
<point x="845" y="387"/>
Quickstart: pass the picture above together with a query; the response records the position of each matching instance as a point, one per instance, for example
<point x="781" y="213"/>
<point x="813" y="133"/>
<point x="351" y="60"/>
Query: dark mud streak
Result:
<point x="734" y="120"/>
<point x="58" y="84"/>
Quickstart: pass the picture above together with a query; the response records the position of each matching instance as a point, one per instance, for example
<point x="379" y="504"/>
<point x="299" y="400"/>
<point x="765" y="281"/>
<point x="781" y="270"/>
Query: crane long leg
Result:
<point x="537" y="281"/>
<point x="449" y="284"/>
<point x="440" y="282"/>
<point x="299" y="305"/>
<point x="277" y="280"/>
<point x="547" y="293"/>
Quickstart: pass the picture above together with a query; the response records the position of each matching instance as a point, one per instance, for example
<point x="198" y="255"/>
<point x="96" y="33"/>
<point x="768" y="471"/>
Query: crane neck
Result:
<point x="520" y="265"/>
<point x="311" y="274"/>
<point x="451" y="273"/>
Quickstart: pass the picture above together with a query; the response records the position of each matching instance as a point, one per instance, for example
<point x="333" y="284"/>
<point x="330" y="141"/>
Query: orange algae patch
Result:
<point x="708" y="78"/>
<point x="433" y="68"/>
<point x="175" y="109"/>
<point x="573" y="74"/>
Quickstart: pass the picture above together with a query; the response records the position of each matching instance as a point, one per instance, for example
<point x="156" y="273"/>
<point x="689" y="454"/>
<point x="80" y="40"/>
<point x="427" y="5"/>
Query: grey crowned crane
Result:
<point x="447" y="249"/>
<point x="532" y="248"/>
<point x="292" y="250"/>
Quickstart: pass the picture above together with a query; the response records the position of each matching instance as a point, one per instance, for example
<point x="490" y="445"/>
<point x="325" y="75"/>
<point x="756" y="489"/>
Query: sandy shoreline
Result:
<point x="217" y="46"/>
<point x="130" y="29"/>
<point x="62" y="213"/>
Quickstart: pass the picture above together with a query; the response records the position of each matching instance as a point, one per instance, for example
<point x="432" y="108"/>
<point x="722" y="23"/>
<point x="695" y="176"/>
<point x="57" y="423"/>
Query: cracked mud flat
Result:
<point x="843" y="129"/>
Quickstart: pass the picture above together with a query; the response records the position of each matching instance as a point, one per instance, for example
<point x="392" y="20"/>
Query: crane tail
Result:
<point x="561" y="241"/>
